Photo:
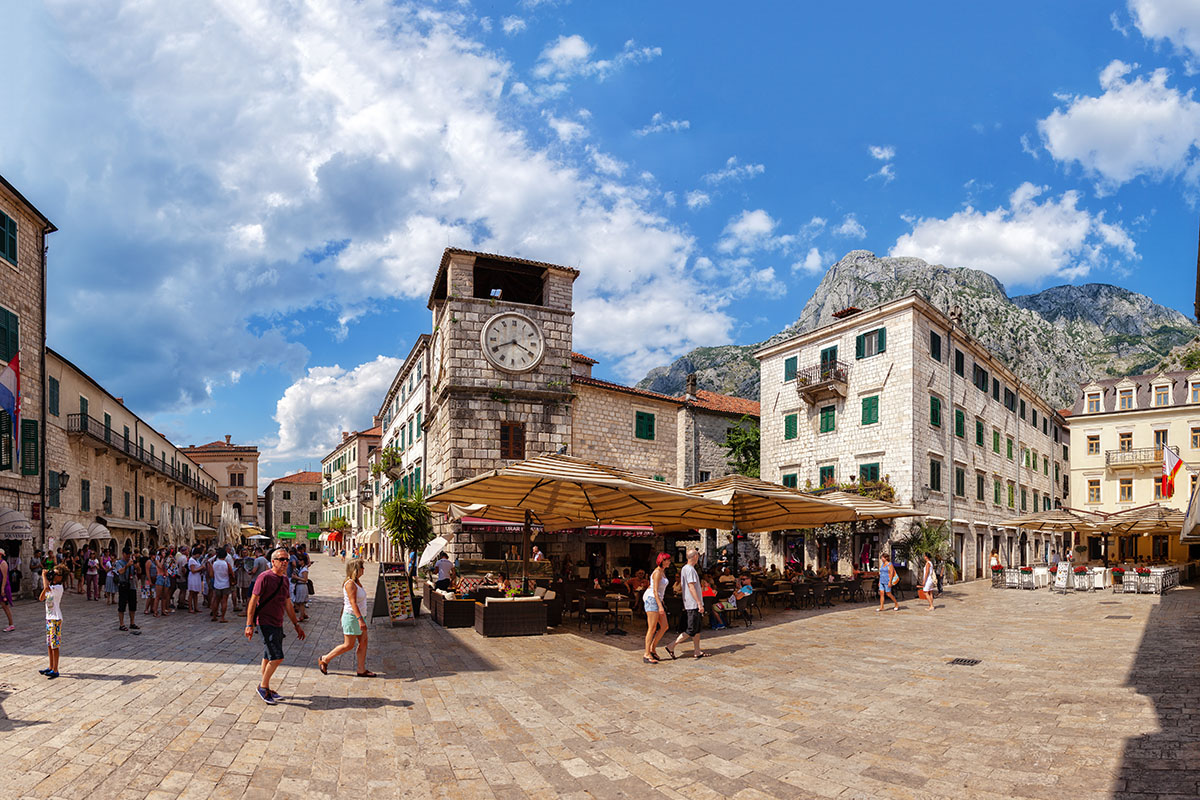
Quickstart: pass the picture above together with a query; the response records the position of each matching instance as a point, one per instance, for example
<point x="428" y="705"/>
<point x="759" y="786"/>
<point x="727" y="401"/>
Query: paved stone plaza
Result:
<point x="1079" y="696"/>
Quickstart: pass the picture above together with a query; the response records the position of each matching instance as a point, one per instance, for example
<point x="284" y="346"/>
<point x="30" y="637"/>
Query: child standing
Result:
<point x="52" y="592"/>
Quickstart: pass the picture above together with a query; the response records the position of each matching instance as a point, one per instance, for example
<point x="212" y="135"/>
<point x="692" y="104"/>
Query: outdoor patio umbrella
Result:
<point x="1144" y="520"/>
<point x="1056" y="519"/>
<point x="866" y="508"/>
<point x="431" y="551"/>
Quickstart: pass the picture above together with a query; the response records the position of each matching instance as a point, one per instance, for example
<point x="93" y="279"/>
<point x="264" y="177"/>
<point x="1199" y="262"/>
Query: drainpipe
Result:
<point x="42" y="360"/>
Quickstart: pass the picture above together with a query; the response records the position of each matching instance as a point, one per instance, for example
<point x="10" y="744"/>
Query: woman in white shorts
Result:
<point x="656" y="612"/>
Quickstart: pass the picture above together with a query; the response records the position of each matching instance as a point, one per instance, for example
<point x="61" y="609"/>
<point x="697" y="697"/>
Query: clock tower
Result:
<point x="500" y="363"/>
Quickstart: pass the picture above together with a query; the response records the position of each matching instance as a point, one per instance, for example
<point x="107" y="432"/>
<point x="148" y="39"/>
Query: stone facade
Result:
<point x="896" y="414"/>
<point x="604" y="428"/>
<point x="23" y="307"/>
<point x="345" y="474"/>
<point x="235" y="469"/>
<point x="293" y="502"/>
<point x="118" y="470"/>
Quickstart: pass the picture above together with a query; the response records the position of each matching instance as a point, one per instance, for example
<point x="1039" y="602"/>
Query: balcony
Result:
<point x="1139" y="457"/>
<point x="80" y="425"/>
<point x="823" y="382"/>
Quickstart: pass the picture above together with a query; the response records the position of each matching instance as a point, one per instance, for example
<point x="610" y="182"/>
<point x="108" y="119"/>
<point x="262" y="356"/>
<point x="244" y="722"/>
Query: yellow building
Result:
<point x="1119" y="427"/>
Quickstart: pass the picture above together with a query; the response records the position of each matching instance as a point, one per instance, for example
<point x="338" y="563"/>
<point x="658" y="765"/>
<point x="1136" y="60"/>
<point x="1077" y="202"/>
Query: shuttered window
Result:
<point x="52" y="489"/>
<point x="960" y="482"/>
<point x="825" y="477"/>
<point x="935" y="475"/>
<point x="935" y="346"/>
<point x="790" y="480"/>
<point x="643" y="426"/>
<point x="789" y="369"/>
<point x="870" y="343"/>
<point x="6" y="441"/>
<point x="979" y="432"/>
<point x="935" y="412"/>
<point x="85" y="495"/>
<point x="790" y="426"/>
<point x="868" y="473"/>
<point x="870" y="410"/>
<point x="827" y="419"/>
<point x="10" y="335"/>
<point x="52" y="395"/>
<point x="8" y="238"/>
<point x="512" y="440"/>
<point x="960" y="423"/>
<point x="30" y="453"/>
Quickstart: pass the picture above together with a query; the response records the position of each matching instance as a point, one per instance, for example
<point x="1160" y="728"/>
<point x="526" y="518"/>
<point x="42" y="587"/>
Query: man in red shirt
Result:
<point x="268" y="602"/>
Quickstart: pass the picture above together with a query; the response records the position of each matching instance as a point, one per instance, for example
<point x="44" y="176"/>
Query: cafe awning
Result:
<point x="867" y="507"/>
<point x="484" y="525"/>
<point x="630" y="531"/>
<point x="124" y="524"/>
<point x="72" y="531"/>
<point x="14" y="525"/>
<point x="97" y="531"/>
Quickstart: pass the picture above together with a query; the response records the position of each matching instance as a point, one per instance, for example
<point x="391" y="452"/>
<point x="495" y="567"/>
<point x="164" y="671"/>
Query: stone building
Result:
<point x="346" y="486"/>
<point x="901" y="393"/>
<point x="292" y="507"/>
<point x="110" y="474"/>
<point x="1119" y="428"/>
<point x="23" y="231"/>
<point x="234" y="467"/>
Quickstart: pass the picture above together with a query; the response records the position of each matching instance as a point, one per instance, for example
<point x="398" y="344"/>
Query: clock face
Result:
<point x="512" y="342"/>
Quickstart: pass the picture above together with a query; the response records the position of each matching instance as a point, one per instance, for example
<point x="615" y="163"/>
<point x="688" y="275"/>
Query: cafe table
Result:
<point x="614" y="604"/>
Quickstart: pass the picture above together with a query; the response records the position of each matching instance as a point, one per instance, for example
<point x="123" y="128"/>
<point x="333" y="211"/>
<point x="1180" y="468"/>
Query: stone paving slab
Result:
<point x="843" y="702"/>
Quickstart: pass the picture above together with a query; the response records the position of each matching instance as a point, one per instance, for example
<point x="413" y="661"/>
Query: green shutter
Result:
<point x="960" y="423"/>
<point x="29" y="447"/>
<point x="996" y="491"/>
<point x="644" y="426"/>
<point x="8" y="238"/>
<point x="869" y="473"/>
<point x="52" y="395"/>
<point x="828" y="419"/>
<point x="882" y="340"/>
<point x="935" y="412"/>
<point x="789" y="369"/>
<point x="9" y="335"/>
<point x="790" y="426"/>
<point x="860" y="345"/>
<point x="417" y="479"/>
<point x="52" y="490"/>
<point x="1010" y="450"/>
<point x="979" y="432"/>
<point x="791" y="480"/>
<point x="825" y="476"/>
<point x="870" y="410"/>
<point x="6" y="441"/>
<point x="996" y="442"/>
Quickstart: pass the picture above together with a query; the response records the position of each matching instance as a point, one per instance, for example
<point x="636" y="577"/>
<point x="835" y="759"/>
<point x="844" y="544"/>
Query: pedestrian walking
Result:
<point x="127" y="582"/>
<point x="927" y="582"/>
<point x="656" y="610"/>
<point x="149" y="583"/>
<point x="195" y="580"/>
<point x="888" y="577"/>
<point x="300" y="590"/>
<point x="354" y="625"/>
<point x="52" y="592"/>
<point x="6" y="597"/>
<point x="693" y="605"/>
<point x="92" y="576"/>
<point x="222" y="579"/>
<point x="110" y="579"/>
<point x="269" y="601"/>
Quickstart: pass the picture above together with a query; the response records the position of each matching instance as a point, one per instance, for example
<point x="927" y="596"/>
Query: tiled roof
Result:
<point x="1143" y="386"/>
<point x="300" y="477"/>
<point x="221" y="446"/>
<point x="1065" y="412"/>
<point x="376" y="431"/>
<point x="726" y="403"/>
<point x="449" y="251"/>
<point x="616" y="387"/>
<point x="583" y="358"/>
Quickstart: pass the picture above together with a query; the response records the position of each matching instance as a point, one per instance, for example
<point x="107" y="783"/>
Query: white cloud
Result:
<point x="606" y="164"/>
<point x="886" y="173"/>
<point x="1024" y="243"/>
<point x="356" y="143"/>
<point x="697" y="199"/>
<point x="751" y="231"/>
<point x="1177" y="21"/>
<point x="315" y="409"/>
<point x="882" y="153"/>
<point x="659" y="123"/>
<point x="733" y="171"/>
<point x="813" y="228"/>
<point x="566" y="130"/>
<point x="850" y="228"/>
<point x="570" y="56"/>
<point x="512" y="25"/>
<point x="815" y="262"/>
<point x="1138" y="127"/>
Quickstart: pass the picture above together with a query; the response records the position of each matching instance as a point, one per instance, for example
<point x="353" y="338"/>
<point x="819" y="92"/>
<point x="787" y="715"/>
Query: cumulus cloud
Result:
<point x="850" y="228"/>
<point x="734" y="171"/>
<point x="570" y="56"/>
<point x="1032" y="239"/>
<point x="882" y="153"/>
<point x="512" y="25"/>
<point x="1177" y="21"/>
<point x="1139" y="126"/>
<point x="814" y="262"/>
<point x="315" y="409"/>
<point x="751" y="231"/>
<point x="566" y="130"/>
<point x="885" y="153"/>
<point x="697" y="199"/>
<point x="341" y="154"/>
<point x="660" y="124"/>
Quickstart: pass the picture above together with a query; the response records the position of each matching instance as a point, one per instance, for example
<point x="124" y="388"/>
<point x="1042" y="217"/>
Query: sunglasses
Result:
<point x="279" y="559"/>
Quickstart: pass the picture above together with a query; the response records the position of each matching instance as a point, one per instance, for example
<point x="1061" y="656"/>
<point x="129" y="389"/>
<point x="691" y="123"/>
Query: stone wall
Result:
<point x="602" y="430"/>
<point x="300" y="506"/>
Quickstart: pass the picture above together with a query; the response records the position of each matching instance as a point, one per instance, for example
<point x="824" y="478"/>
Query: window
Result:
<point x="1010" y="448"/>
<point x="287" y="495"/>
<point x="52" y="498"/>
<point x="979" y="432"/>
<point x="1066" y="450"/>
<point x="312" y="518"/>
<point x="8" y="241"/>
<point x="1045" y="465"/>
<point x="1022" y="403"/>
<point x="1033" y="417"/>
<point x="996" y="390"/>
<point x="869" y="473"/>
<point x="825" y="476"/>
<point x="9" y="336"/>
<point x="996" y="491"/>
<point x="790" y="426"/>
<point x="1125" y="399"/>
<point x="1024" y="499"/>
<point x="52" y="395"/>
<point x="126" y="505"/>
<point x="870" y="343"/>
<point x="1195" y="387"/>
<point x="789" y="369"/>
<point x="960" y="362"/>
<point x="1011" y="494"/>
<point x="1093" y="403"/>
<point x="107" y="500"/>
<point x="1125" y="491"/>
<point x="1160" y="439"/>
<point x="935" y="475"/>
<point x="979" y="488"/>
<point x="287" y="518"/>
<point x="935" y="346"/>
<point x="1093" y="445"/>
<point x="1162" y="395"/>
<point x="312" y="496"/>
<point x="151" y="509"/>
<point x="1093" y="495"/>
<point x="1010" y="400"/>
<point x="981" y="378"/>
<point x="960" y="423"/>
<point x="643" y="428"/>
<point x="790" y="480"/>
<point x="512" y="438"/>
<point x="1124" y="442"/>
<point x="85" y="495"/>
<point x="418" y="424"/>
<point x="1158" y="488"/>
<point x="410" y="431"/>
<point x="935" y="411"/>
<point x="1045" y="502"/>
<point x="827" y="419"/>
<point x="870" y="410"/>
<point x="29" y="447"/>
<point x="705" y="475"/>
<point x="995" y="441"/>
<point x="960" y="482"/>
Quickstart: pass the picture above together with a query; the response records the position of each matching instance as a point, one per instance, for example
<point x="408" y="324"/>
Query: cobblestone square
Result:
<point x="1087" y="695"/>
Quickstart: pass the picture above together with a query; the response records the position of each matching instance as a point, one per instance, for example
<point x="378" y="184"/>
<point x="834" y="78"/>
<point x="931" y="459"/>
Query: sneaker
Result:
<point x="52" y="674"/>
<point x="719" y="627"/>
<point x="133" y="627"/>
<point x="45" y="671"/>
<point x="10" y="629"/>
<point x="276" y="696"/>
<point x="267" y="696"/>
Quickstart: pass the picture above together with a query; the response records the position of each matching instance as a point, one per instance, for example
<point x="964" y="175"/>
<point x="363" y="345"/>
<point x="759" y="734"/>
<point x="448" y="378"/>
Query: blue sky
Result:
<point x="253" y="196"/>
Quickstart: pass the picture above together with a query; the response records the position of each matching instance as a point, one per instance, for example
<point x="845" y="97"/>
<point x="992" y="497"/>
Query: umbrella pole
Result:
<point x="526" y="535"/>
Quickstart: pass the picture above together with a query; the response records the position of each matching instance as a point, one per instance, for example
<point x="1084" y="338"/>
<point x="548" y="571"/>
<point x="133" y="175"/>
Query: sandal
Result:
<point x="701" y="654"/>
<point x="123" y="628"/>
<point x="670" y="652"/>
<point x="648" y="660"/>
<point x="323" y="666"/>
<point x="367" y="674"/>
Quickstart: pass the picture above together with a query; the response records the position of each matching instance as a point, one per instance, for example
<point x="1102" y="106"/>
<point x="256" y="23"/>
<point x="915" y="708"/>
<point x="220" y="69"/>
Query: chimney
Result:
<point x="121" y="400"/>
<point x="345" y="435"/>
<point x="376" y="421"/>
<point x="690" y="393"/>
<point x="956" y="315"/>
<point x="227" y="436"/>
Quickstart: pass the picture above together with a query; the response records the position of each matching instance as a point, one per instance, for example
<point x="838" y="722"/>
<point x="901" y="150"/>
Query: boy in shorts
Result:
<point x="52" y="592"/>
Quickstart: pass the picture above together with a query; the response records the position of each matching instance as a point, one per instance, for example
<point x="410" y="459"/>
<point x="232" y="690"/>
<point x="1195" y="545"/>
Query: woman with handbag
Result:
<point x="888" y="577"/>
<point x="300" y="590"/>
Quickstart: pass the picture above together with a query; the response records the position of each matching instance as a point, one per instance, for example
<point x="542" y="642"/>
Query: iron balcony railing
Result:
<point x="1136" y="457"/>
<point x="79" y="423"/>
<point x="823" y="373"/>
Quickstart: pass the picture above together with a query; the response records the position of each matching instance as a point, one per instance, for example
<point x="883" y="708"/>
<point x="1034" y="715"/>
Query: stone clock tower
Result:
<point x="500" y="363"/>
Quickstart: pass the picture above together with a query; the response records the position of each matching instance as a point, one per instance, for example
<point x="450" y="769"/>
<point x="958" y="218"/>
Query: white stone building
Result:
<point x="901" y="393"/>
<point x="345" y="484"/>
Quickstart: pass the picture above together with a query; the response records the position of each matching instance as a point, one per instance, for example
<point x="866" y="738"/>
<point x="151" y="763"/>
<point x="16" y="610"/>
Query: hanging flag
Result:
<point x="1191" y="523"/>
<point x="10" y="401"/>
<point x="1170" y="468"/>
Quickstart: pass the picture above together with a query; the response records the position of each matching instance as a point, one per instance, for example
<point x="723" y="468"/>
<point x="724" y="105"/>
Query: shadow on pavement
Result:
<point x="7" y="723"/>
<point x="324" y="702"/>
<point x="96" y="676"/>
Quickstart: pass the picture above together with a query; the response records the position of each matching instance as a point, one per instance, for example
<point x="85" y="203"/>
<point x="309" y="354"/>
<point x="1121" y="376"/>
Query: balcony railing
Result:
<point x="1136" y="457"/>
<point x="78" y="423"/>
<point x="823" y="381"/>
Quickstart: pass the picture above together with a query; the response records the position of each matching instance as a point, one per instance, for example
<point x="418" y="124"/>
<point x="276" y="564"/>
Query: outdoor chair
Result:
<point x="819" y="595"/>
<point x="1012" y="578"/>
<point x="802" y="596"/>
<point x="756" y="604"/>
<point x="997" y="579"/>
<point x="868" y="588"/>
<point x="744" y="610"/>
<point x="591" y="613"/>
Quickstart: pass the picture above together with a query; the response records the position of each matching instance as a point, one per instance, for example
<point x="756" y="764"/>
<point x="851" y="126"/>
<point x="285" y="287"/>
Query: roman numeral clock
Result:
<point x="512" y="342"/>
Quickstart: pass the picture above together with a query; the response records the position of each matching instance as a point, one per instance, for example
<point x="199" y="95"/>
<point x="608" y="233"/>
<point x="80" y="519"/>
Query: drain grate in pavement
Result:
<point x="965" y="662"/>
<point x="1119" y="616"/>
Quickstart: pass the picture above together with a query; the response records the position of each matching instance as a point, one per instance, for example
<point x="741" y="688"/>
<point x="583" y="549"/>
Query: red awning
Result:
<point x="618" y="530"/>
<point x="335" y="536"/>
<point x="494" y="525"/>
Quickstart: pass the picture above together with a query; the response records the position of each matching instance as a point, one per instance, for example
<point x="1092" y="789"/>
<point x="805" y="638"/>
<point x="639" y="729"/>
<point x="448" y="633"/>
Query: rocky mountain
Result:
<point x="1054" y="339"/>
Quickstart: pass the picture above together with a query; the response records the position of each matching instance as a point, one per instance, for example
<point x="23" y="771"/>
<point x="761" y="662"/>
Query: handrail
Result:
<point x="822" y="373"/>
<point x="1139" y="455"/>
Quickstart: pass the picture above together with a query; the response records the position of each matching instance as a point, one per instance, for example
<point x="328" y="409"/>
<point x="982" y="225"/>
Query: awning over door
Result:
<point x="14" y="525"/>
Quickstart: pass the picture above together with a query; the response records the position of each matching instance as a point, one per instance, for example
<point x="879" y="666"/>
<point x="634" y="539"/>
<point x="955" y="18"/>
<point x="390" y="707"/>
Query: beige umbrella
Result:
<point x="1145" y="520"/>
<point x="751" y="505"/>
<point x="1057" y="519"/>
<point x="868" y="508"/>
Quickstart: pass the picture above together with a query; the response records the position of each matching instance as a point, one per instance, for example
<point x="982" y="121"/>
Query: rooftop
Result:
<point x="726" y="403"/>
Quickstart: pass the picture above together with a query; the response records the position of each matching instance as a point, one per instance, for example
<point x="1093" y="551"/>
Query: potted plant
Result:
<point x="1026" y="570"/>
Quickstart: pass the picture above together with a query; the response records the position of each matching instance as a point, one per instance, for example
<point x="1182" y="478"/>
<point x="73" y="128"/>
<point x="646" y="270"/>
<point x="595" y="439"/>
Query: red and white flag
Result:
<point x="1170" y="468"/>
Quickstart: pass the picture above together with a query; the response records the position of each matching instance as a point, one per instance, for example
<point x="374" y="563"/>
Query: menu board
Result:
<point x="395" y="587"/>
<point x="1061" y="577"/>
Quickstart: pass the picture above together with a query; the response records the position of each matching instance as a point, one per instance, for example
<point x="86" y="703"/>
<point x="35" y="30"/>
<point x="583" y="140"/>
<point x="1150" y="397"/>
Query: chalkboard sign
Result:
<point x="394" y="588"/>
<point x="1062" y="577"/>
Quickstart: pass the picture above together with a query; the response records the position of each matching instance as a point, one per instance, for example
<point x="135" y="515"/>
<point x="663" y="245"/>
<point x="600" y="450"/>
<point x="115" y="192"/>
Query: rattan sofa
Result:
<point x="518" y="616"/>
<point x="447" y="611"/>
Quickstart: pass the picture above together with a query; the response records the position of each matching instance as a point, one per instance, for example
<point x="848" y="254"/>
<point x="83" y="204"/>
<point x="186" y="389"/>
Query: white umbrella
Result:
<point x="432" y="550"/>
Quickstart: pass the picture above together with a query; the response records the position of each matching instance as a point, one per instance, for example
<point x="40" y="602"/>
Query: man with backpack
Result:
<point x="127" y="581"/>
